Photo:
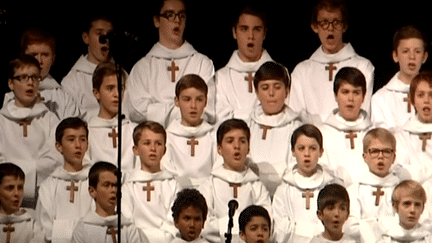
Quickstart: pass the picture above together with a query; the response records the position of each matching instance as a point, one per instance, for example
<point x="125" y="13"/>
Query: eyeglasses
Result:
<point x="337" y="24"/>
<point x="171" y="16"/>
<point x="387" y="153"/>
<point x="25" y="78"/>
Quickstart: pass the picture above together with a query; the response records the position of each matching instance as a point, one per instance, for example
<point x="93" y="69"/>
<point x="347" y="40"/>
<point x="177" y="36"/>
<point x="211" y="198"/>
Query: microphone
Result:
<point x="232" y="206"/>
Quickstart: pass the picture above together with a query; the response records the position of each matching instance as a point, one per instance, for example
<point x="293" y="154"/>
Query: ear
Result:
<point x="395" y="57"/>
<point x="425" y="57"/>
<point x="176" y="101"/>
<point x="165" y="149"/>
<point x="92" y="192"/>
<point x="219" y="149"/>
<point x="234" y="33"/>
<point x="314" y="28"/>
<point x="243" y="236"/>
<point x="86" y="38"/>
<point x="59" y="147"/>
<point x="135" y="150"/>
<point x="10" y="84"/>
<point x="156" y="21"/>
<point x="321" y="152"/>
<point x="320" y="215"/>
<point x="96" y="94"/>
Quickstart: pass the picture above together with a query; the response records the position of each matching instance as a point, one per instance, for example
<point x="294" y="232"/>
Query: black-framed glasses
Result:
<point x="387" y="153"/>
<point x="171" y="16"/>
<point x="325" y="24"/>
<point x="26" y="78"/>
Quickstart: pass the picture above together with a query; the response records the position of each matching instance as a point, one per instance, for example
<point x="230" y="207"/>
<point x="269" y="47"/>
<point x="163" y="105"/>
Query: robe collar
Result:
<point x="395" y="84"/>
<point x="371" y="179"/>
<point x="95" y="219"/>
<point x="81" y="175"/>
<point x="347" y="52"/>
<point x="178" y="129"/>
<point x="143" y="176"/>
<point x="362" y="123"/>
<point x="240" y="66"/>
<point x="107" y="123"/>
<point x="48" y="83"/>
<point x="20" y="216"/>
<point x="317" y="180"/>
<point x="413" y="125"/>
<point x="180" y="240"/>
<point x="84" y="65"/>
<point x="11" y="111"/>
<point x="279" y="120"/>
<point x="158" y="50"/>
<point x="392" y="228"/>
<point x="233" y="176"/>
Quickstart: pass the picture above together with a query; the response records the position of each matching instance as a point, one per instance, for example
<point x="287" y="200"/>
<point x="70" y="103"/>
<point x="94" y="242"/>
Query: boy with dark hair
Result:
<point x="189" y="213"/>
<point x="63" y="196"/>
<point x="312" y="79"/>
<point x="18" y="224"/>
<point x="101" y="225"/>
<point x="255" y="224"/>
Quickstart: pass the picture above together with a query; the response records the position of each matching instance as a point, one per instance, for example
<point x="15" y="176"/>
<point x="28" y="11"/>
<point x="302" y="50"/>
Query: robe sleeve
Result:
<point x="282" y="223"/>
<point x="207" y="73"/>
<point x="78" y="233"/>
<point x="296" y="97"/>
<point x="45" y="207"/>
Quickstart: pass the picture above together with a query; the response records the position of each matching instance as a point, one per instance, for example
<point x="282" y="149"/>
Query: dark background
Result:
<point x="289" y="37"/>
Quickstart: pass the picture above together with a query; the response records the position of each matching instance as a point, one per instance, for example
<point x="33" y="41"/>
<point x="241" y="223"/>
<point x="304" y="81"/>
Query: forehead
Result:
<point x="411" y="42"/>
<point x="75" y="132"/>
<point x="303" y="139"/>
<point x="249" y="20"/>
<point x="173" y="5"/>
<point x="101" y="24"/>
<point x="38" y="47"/>
<point x="27" y="69"/>
<point x="423" y="85"/>
<point x="329" y="14"/>
<point x="191" y="210"/>
<point x="11" y="179"/>
<point x="235" y="133"/>
<point x="257" y="220"/>
<point x="192" y="91"/>
<point x="379" y="143"/>
<point x="347" y="86"/>
<point x="109" y="176"/>
<point x="149" y="134"/>
<point x="110" y="80"/>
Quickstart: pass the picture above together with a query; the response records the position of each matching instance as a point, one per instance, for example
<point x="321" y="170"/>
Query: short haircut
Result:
<point x="351" y="76"/>
<point x="150" y="125"/>
<point x="332" y="194"/>
<point x="253" y="211"/>
<point x="423" y="76"/>
<point x="408" y="32"/>
<point x="10" y="169"/>
<point x="93" y="18"/>
<point x="410" y="187"/>
<point x="186" y="198"/>
<point x="191" y="81"/>
<point x="20" y="62"/>
<point x="272" y="71"/>
<point x="160" y="4"/>
<point x="104" y="70"/>
<point x="229" y="125"/>
<point x="381" y="134"/>
<point x="71" y="122"/>
<point x="254" y="11"/>
<point x="37" y="36"/>
<point x="97" y="169"/>
<point x="330" y="5"/>
<point x="308" y="130"/>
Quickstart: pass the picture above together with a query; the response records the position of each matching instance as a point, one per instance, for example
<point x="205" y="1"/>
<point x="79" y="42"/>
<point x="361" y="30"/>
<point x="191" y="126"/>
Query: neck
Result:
<point x="405" y="78"/>
<point x="105" y="212"/>
<point x="106" y="115"/>
<point x="152" y="170"/>
<point x="169" y="44"/>
<point x="71" y="167"/>
<point x="245" y="58"/>
<point x="334" y="236"/>
<point x="7" y="212"/>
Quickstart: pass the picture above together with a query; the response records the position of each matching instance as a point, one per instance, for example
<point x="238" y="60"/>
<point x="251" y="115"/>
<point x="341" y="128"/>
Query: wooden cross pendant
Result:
<point x="408" y="101"/>
<point x="114" y="136"/>
<point x="378" y="193"/>
<point x="72" y="188"/>
<point x="24" y="123"/>
<point x="148" y="188"/>
<point x="264" y="127"/>
<point x="250" y="78"/>
<point x="173" y="68"/>
<point x="9" y="229"/>
<point x="113" y="232"/>
<point x="351" y="135"/>
<point x="330" y="68"/>
<point x="192" y="142"/>
<point x="424" y="136"/>
<point x="235" y="187"/>
<point x="308" y="195"/>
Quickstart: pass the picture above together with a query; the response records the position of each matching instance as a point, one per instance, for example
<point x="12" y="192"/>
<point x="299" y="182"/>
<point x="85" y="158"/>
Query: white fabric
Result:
<point x="25" y="228"/>
<point x="154" y="217"/>
<point x="48" y="83"/>
<point x="56" y="213"/>
<point x="389" y="110"/>
<point x="180" y="240"/>
<point x="311" y="89"/>
<point x="151" y="90"/>
<point x="233" y="99"/>
<point x="320" y="239"/>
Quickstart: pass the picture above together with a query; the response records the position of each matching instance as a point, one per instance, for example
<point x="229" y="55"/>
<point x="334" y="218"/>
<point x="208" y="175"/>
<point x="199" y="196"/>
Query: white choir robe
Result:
<point x="197" y="240"/>
<point x="219" y="193"/>
<point x="338" y="153"/>
<point x="312" y="85"/>
<point x="178" y="159"/>
<point x="290" y="204"/>
<point x="101" y="143"/>
<point x="152" y="91"/>
<point x="48" y="83"/>
<point x="96" y="229"/>
<point x="363" y="201"/>
<point x="272" y="153"/>
<point x="389" y="106"/>
<point x="234" y="99"/>
<point x="25" y="228"/>
<point x="152" y="214"/>
<point x="56" y="213"/>
<point x="35" y="154"/>
<point x="320" y="239"/>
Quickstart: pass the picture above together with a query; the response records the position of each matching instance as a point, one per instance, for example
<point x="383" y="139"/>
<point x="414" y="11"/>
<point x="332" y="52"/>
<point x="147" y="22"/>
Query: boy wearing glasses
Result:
<point x="27" y="126"/>
<point x="312" y="79"/>
<point x="152" y="80"/>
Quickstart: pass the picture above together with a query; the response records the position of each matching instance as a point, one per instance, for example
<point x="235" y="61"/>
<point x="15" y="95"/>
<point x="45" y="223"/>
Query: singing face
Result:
<point x="97" y="52"/>
<point x="105" y="193"/>
<point x="11" y="194"/>
<point x="73" y="147"/>
<point x="307" y="152"/>
<point x="25" y="86"/>
<point x="333" y="217"/>
<point x="331" y="35"/>
<point x="379" y="157"/>
<point x="150" y="148"/>
<point x="349" y="100"/>
<point x="410" y="55"/>
<point x="250" y="34"/>
<point x="190" y="223"/>
<point x="108" y="97"/>
<point x="409" y="209"/>
<point x="257" y="230"/>
<point x="423" y="102"/>
<point x="272" y="95"/>
<point x="234" y="148"/>
<point x="171" y="28"/>
<point x="44" y="54"/>
<point x="191" y="102"/>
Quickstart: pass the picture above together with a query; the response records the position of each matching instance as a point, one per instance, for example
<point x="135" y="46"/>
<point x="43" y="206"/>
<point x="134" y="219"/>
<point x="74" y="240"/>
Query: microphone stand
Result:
<point x="228" y="234"/>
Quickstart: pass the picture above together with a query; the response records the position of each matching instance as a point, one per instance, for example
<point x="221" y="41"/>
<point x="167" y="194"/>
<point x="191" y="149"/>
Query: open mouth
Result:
<point x="330" y="37"/>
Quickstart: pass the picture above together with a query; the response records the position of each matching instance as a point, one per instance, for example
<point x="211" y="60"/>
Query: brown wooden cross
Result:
<point x="24" y="123"/>
<point x="9" y="229"/>
<point x="378" y="193"/>
<point x="308" y="194"/>
<point x="114" y="136"/>
<point x="264" y="127"/>
<point x="72" y="188"/>
<point x="408" y="101"/>
<point x="173" y="68"/>
<point x="331" y="67"/>
<point x="113" y="232"/>
<point x="235" y="187"/>
<point x="351" y="135"/>
<point x="424" y="136"/>
<point x="192" y="142"/>
<point x="148" y="188"/>
<point x="250" y="79"/>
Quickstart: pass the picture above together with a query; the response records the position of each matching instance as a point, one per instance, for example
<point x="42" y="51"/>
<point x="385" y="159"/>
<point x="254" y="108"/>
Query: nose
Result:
<point x="411" y="55"/>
